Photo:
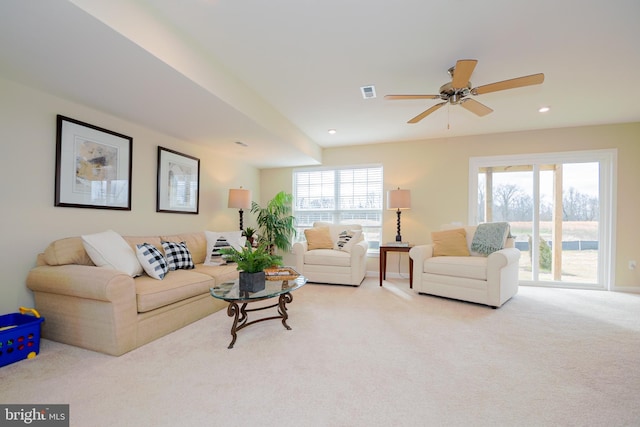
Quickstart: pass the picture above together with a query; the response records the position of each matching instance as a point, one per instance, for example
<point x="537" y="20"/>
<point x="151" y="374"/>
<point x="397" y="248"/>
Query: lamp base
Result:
<point x="241" y="226"/>
<point x="398" y="236"/>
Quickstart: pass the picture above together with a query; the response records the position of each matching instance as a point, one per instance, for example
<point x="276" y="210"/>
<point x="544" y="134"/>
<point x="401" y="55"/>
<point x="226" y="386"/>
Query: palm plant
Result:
<point x="276" y="225"/>
<point x="251" y="260"/>
<point x="249" y="233"/>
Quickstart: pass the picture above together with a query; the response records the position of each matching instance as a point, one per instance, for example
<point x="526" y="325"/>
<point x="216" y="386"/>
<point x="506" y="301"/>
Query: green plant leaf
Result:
<point x="275" y="222"/>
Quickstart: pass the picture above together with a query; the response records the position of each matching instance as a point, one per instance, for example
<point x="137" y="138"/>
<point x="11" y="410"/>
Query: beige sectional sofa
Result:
<point x="109" y="311"/>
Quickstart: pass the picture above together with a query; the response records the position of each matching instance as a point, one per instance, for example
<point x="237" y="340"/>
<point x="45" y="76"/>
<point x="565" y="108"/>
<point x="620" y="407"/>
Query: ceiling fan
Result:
<point x="457" y="91"/>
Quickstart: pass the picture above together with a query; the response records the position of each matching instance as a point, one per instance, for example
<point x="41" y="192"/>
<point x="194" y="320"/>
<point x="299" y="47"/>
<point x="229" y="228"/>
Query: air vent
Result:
<point x="368" y="92"/>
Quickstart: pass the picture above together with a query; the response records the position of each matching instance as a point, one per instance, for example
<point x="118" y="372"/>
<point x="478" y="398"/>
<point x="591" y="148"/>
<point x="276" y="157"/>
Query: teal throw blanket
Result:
<point x="490" y="237"/>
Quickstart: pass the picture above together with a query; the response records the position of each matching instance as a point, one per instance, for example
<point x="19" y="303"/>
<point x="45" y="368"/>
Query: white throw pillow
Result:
<point x="217" y="240"/>
<point x="346" y="240"/>
<point x="109" y="249"/>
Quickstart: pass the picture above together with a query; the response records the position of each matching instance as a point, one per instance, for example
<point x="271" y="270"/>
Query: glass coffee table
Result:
<point x="230" y="292"/>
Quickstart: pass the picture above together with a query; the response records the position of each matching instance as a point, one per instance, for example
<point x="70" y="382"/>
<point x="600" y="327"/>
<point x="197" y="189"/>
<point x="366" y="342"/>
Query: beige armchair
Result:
<point x="334" y="254"/>
<point x="464" y="274"/>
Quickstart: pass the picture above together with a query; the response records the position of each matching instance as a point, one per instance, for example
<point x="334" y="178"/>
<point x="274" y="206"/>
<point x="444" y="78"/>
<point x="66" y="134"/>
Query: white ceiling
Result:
<point x="277" y="75"/>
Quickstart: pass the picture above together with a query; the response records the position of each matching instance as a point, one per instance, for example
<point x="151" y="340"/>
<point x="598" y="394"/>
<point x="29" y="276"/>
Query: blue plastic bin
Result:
<point x="19" y="336"/>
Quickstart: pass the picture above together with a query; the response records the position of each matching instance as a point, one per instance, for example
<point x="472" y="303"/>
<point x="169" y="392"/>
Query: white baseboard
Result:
<point x="627" y="289"/>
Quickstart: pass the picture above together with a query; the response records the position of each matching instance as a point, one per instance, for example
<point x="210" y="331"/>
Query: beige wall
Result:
<point x="436" y="172"/>
<point x="29" y="221"/>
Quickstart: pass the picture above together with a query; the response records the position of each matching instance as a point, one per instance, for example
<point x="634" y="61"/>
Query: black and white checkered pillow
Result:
<point x="152" y="261"/>
<point x="178" y="256"/>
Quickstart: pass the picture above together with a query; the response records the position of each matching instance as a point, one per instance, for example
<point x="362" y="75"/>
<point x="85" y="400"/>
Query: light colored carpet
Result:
<point x="366" y="356"/>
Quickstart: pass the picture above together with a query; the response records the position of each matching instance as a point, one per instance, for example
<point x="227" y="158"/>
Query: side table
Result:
<point x="383" y="261"/>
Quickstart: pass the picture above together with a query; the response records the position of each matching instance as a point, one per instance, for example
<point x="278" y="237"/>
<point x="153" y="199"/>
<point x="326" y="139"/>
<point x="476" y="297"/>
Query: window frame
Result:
<point x="368" y="229"/>
<point x="607" y="158"/>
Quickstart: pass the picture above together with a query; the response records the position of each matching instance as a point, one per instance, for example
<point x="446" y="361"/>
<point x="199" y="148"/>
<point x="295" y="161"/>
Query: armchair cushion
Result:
<point x="470" y="267"/>
<point x="328" y="257"/>
<point x="318" y="238"/>
<point x="450" y="242"/>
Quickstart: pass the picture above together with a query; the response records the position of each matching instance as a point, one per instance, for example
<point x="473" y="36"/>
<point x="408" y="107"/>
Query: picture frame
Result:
<point x="93" y="166"/>
<point x="178" y="182"/>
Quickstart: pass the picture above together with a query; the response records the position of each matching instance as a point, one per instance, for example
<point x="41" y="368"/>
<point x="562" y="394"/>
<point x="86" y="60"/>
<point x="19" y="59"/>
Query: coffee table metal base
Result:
<point x="240" y="317"/>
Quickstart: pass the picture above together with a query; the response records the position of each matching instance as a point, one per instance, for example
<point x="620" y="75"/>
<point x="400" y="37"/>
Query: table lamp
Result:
<point x="239" y="198"/>
<point x="399" y="199"/>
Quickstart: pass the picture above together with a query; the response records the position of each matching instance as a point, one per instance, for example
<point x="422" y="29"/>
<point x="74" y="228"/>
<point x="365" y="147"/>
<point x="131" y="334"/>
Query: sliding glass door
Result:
<point x="559" y="206"/>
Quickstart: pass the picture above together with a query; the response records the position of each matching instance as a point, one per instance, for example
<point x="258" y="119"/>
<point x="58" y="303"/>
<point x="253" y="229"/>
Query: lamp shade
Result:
<point x="239" y="198"/>
<point x="399" y="199"/>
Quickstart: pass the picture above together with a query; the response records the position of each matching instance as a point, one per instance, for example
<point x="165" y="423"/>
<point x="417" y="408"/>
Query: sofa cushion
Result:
<point x="178" y="256"/>
<point x="152" y="261"/>
<point x="318" y="238"/>
<point x="134" y="241"/>
<point x="328" y="257"/>
<point x="458" y="266"/>
<point x="109" y="249"/>
<point x="176" y="286"/>
<point x="450" y="242"/>
<point x="220" y="273"/>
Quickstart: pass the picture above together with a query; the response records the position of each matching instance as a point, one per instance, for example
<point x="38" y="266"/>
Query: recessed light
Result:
<point x="543" y="109"/>
<point x="332" y="131"/>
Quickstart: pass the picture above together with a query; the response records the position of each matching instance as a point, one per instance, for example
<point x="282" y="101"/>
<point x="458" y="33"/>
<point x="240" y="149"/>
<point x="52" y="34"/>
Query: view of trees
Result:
<point x="512" y="203"/>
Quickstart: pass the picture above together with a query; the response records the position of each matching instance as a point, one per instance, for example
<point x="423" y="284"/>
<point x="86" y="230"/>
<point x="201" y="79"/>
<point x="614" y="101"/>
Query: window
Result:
<point x="350" y="195"/>
<point x="560" y="207"/>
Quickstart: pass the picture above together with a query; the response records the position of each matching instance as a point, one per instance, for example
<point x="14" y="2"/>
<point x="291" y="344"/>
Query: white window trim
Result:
<point x="608" y="159"/>
<point x="370" y="251"/>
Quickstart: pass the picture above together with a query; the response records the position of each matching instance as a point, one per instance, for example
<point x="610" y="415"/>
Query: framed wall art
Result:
<point x="178" y="182"/>
<point x="93" y="166"/>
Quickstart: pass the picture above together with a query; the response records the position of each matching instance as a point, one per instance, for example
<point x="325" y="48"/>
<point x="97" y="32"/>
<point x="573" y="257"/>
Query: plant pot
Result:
<point x="252" y="282"/>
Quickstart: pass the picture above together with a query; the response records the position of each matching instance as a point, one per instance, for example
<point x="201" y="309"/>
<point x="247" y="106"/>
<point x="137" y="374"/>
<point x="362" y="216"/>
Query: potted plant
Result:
<point x="276" y="225"/>
<point x="250" y="234"/>
<point x="251" y="263"/>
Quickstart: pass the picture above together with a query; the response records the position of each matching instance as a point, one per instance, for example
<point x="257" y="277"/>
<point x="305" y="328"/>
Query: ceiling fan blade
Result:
<point x="475" y="107"/>
<point x="534" y="79"/>
<point x="412" y="97"/>
<point x="424" y="114"/>
<point x="462" y="73"/>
